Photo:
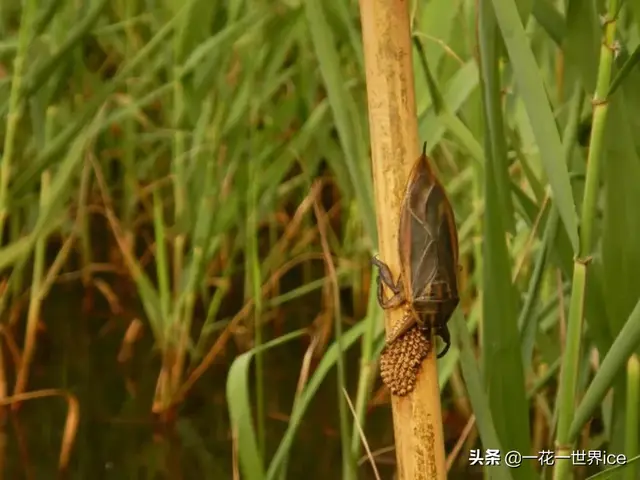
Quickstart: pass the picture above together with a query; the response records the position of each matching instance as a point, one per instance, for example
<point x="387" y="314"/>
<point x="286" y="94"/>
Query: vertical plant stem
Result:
<point x="161" y="399"/>
<point x="178" y="321"/>
<point x="253" y="270"/>
<point x="569" y="372"/>
<point x="570" y="364"/>
<point x="82" y="220"/>
<point x="600" y="110"/>
<point x="15" y="227"/>
<point x="394" y="144"/>
<point x="179" y="212"/>
<point x="3" y="412"/>
<point x="367" y="370"/>
<point x="632" y="405"/>
<point x="161" y="255"/>
<point x="35" y="301"/>
<point x="477" y="183"/>
<point x="348" y="470"/>
<point x="129" y="150"/>
<point x="37" y="293"/>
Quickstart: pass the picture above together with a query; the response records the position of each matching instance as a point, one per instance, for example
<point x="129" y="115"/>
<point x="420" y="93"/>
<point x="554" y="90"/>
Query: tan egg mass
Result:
<point x="400" y="361"/>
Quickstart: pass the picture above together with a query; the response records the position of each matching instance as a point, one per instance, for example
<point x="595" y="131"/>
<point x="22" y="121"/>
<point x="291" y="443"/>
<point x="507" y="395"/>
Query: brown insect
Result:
<point x="427" y="286"/>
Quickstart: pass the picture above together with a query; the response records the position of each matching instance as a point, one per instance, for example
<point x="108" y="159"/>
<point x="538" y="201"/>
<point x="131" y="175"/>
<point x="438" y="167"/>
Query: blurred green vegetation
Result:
<point x="171" y="169"/>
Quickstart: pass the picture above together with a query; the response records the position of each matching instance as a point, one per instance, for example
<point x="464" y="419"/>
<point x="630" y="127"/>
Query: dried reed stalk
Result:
<point x="395" y="147"/>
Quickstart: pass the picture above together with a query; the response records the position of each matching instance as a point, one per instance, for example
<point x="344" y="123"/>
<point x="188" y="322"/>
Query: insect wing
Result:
<point x="429" y="241"/>
<point x="448" y="245"/>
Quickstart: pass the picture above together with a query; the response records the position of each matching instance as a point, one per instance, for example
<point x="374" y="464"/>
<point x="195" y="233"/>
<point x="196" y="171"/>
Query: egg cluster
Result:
<point x="400" y="361"/>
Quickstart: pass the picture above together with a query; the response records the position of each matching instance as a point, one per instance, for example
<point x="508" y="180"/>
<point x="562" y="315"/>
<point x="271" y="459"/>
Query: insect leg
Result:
<point x="443" y="332"/>
<point x="386" y="277"/>
<point x="404" y="326"/>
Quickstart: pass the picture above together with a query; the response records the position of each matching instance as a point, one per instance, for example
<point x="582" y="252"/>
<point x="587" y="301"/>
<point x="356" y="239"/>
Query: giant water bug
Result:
<point x="427" y="286"/>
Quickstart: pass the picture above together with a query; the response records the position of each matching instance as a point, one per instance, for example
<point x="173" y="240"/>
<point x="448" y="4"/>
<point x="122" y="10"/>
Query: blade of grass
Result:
<point x="531" y="88"/>
<point x="45" y="158"/>
<point x="613" y="363"/>
<point x="580" y="46"/>
<point x="35" y="80"/>
<point x="476" y="388"/>
<point x="341" y="105"/>
<point x="624" y="72"/>
<point x="502" y="356"/>
<point x="569" y="140"/>
<point x="526" y="320"/>
<point x="16" y="108"/>
<point x="489" y="70"/>
<point x="615" y="473"/>
<point x="502" y="353"/>
<point x="550" y="19"/>
<point x="240" y="411"/>
<point x="329" y="359"/>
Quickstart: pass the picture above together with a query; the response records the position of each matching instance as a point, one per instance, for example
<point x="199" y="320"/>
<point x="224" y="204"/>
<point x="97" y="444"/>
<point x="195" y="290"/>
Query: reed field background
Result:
<point x="187" y="223"/>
